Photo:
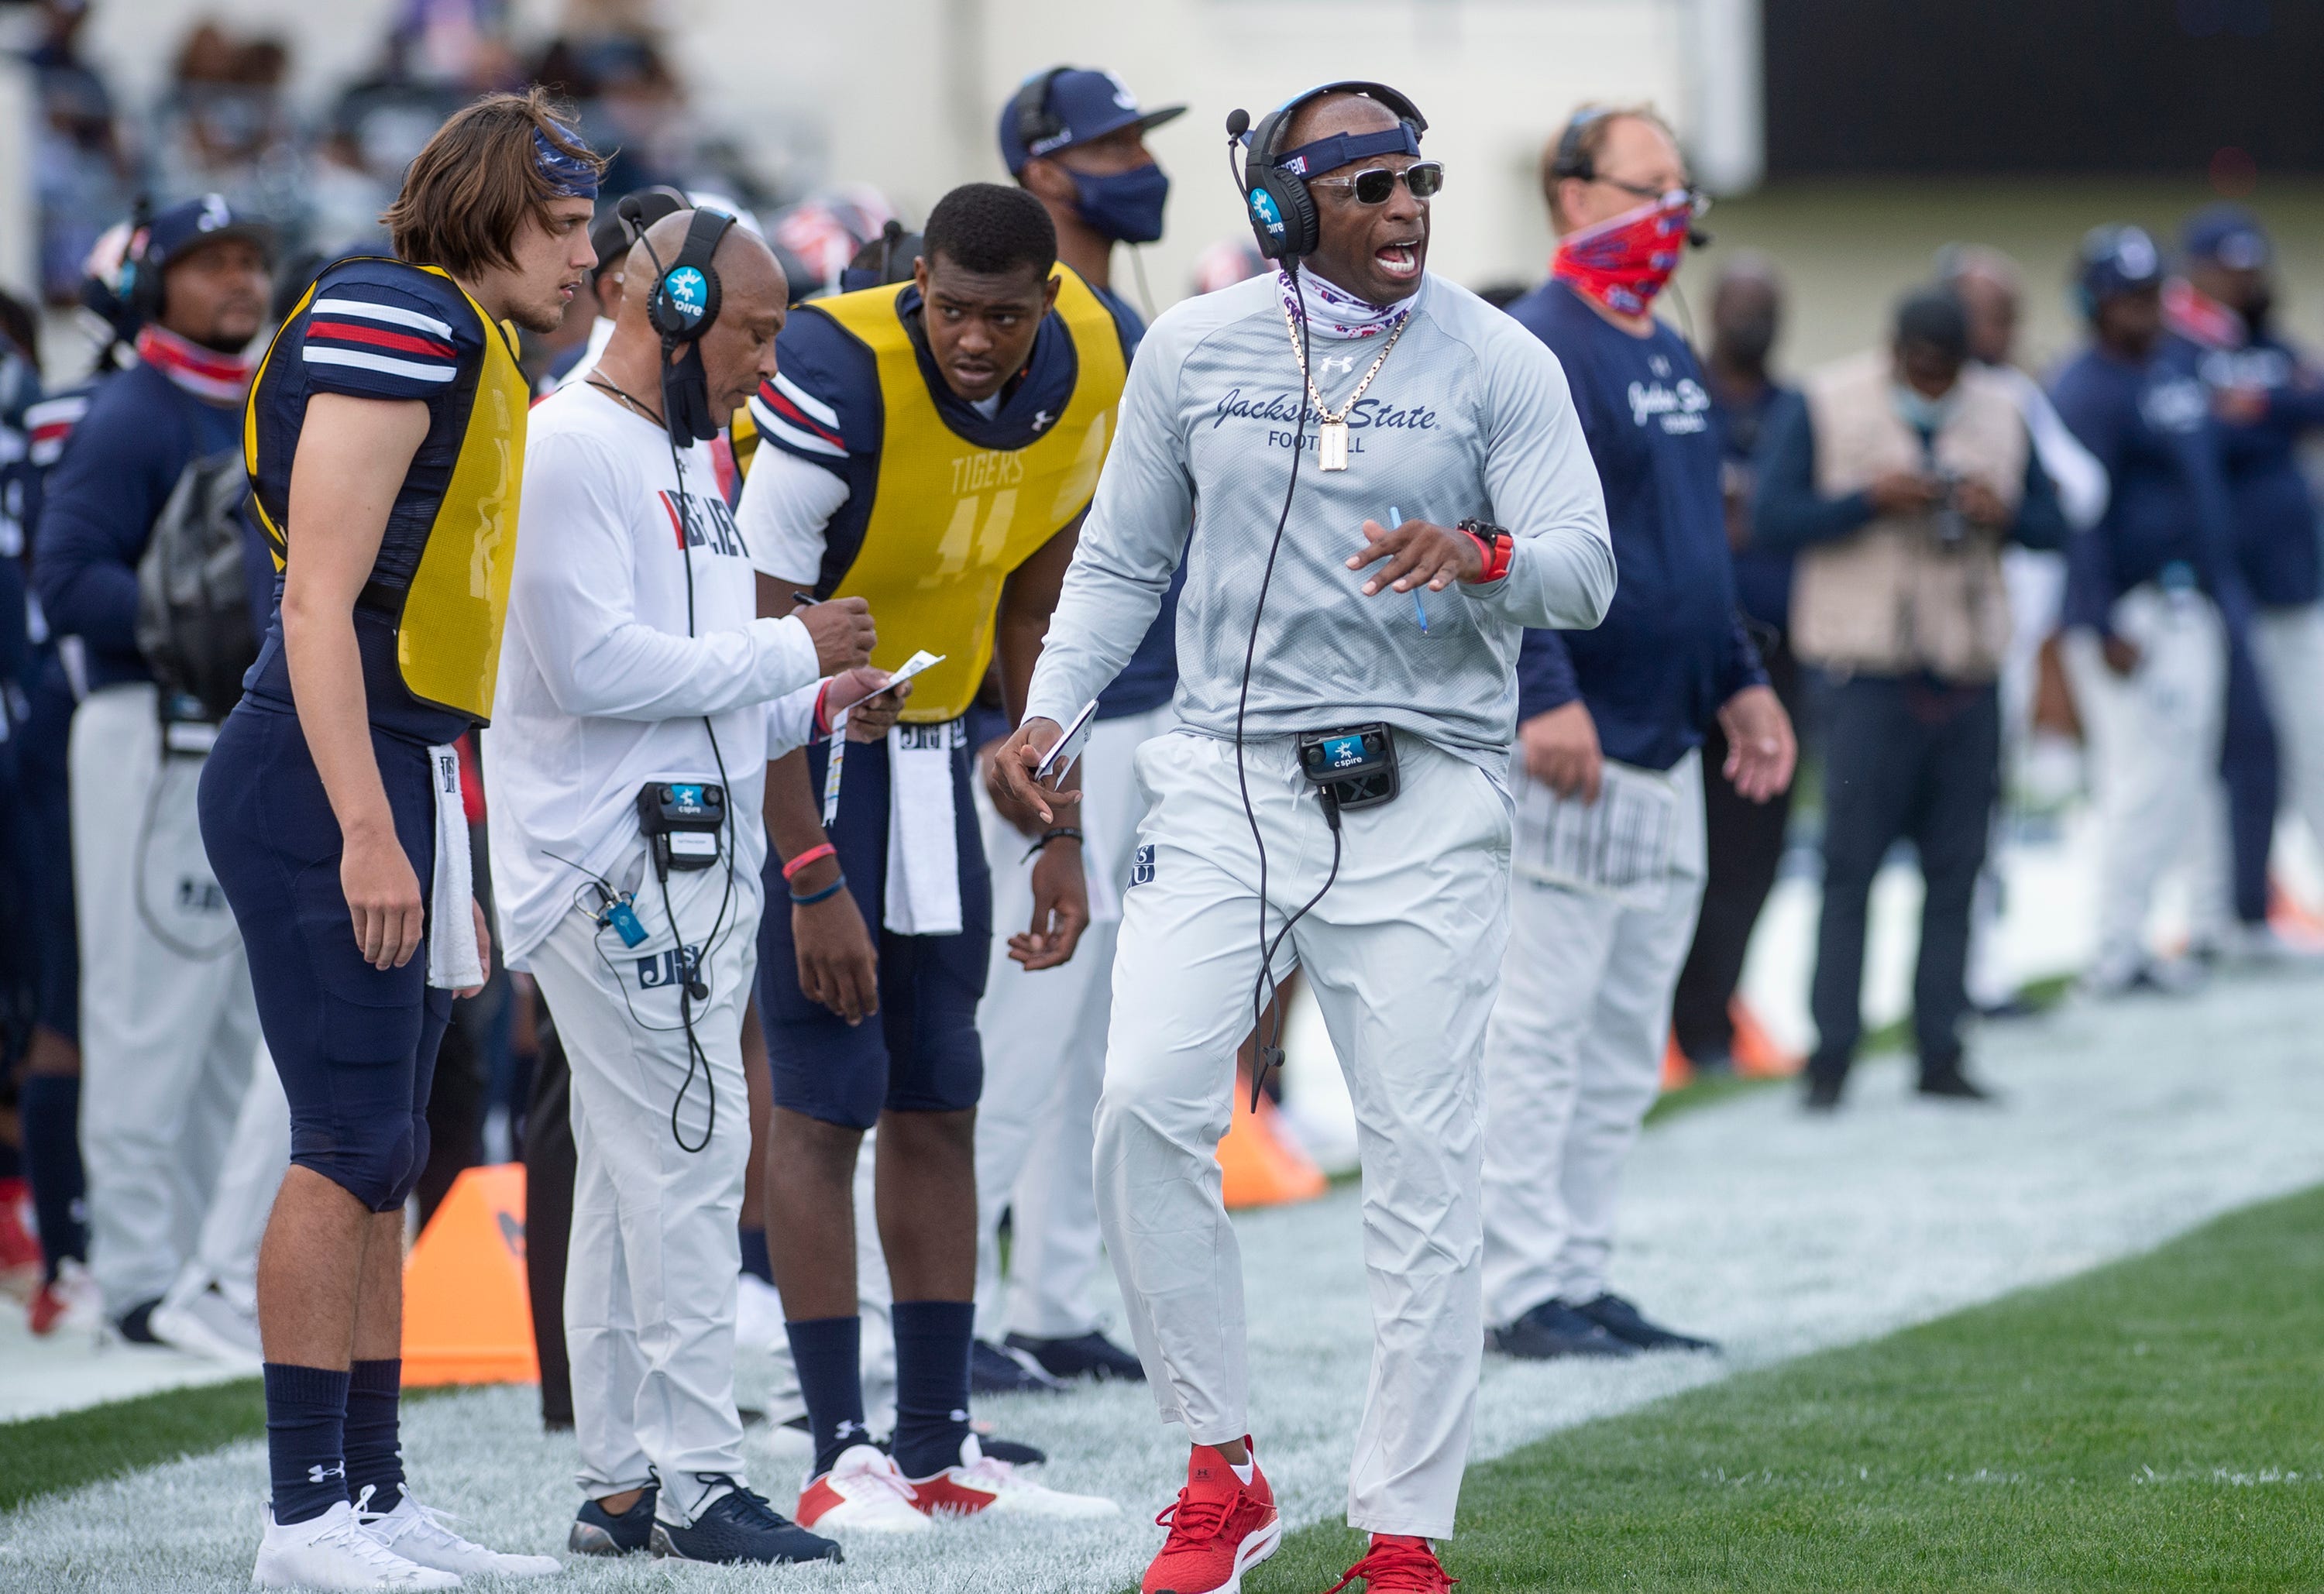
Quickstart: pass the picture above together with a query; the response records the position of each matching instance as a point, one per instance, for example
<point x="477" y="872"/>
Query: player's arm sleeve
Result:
<point x="1739" y="664"/>
<point x="99" y="509"/>
<point x="574" y="593"/>
<point x="1544" y="489"/>
<point x="790" y="720"/>
<point x="1131" y="543"/>
<point x="2079" y="478"/>
<point x="786" y="508"/>
<point x="1787" y="513"/>
<point x="369" y="340"/>
<point x="1545" y="679"/>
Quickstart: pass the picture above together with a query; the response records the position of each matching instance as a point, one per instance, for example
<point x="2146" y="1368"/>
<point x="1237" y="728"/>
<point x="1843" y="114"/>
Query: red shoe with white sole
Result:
<point x="980" y="1486"/>
<point x="1396" y="1564"/>
<point x="1220" y="1528"/>
<point x="861" y="1493"/>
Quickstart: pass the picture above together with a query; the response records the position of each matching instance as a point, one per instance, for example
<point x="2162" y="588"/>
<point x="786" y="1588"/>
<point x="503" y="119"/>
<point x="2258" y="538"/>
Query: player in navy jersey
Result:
<point x="1075" y="140"/>
<point x="1610" y="727"/>
<point x="929" y="446"/>
<point x="384" y="440"/>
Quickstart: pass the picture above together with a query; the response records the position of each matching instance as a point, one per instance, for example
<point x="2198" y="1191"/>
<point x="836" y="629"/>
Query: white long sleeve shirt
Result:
<point x="602" y="688"/>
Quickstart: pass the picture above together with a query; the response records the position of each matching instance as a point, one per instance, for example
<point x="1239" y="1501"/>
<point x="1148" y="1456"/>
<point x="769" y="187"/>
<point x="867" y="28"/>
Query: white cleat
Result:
<point x="861" y="1493"/>
<point x="206" y="1323"/>
<point x="332" y="1552"/>
<point x="418" y="1534"/>
<point x="980" y="1486"/>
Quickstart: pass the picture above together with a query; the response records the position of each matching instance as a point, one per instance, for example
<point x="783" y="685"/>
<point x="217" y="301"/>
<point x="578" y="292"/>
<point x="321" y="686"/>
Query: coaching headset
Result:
<point x="681" y="307"/>
<point x="1282" y="212"/>
<point x="1035" y="122"/>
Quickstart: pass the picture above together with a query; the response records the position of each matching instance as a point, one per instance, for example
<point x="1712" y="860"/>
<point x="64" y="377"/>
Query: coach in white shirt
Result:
<point x="634" y="655"/>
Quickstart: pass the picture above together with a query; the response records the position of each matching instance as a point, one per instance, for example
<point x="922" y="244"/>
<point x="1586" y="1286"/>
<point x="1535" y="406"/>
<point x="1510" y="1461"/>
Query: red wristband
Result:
<point x="822" y="711"/>
<point x="812" y="855"/>
<point x="1495" y="555"/>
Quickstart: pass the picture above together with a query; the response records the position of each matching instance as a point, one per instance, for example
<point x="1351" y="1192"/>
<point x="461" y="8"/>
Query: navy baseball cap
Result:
<point x="1067" y="105"/>
<point x="177" y="232"/>
<point x="2116" y="260"/>
<point x="2227" y="235"/>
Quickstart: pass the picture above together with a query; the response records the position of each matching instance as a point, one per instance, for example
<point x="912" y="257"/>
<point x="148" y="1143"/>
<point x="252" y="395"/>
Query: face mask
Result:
<point x="1124" y="206"/>
<point x="1916" y="410"/>
<point x="1623" y="262"/>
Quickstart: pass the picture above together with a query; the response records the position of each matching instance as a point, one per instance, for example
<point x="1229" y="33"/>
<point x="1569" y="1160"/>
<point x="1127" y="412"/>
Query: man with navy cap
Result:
<point x="2266" y="399"/>
<point x="2152" y="593"/>
<point x="1075" y="139"/>
<point x="168" y="1027"/>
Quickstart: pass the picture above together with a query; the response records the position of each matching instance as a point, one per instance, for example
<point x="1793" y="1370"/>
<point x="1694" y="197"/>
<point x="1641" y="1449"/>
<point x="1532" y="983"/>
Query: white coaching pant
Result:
<point x="169" y="1026"/>
<point x="1403" y="953"/>
<point x="2289" y="644"/>
<point x="649" y="1276"/>
<point x="2154" y="747"/>
<point x="1573" y="1059"/>
<point x="1044" y="1036"/>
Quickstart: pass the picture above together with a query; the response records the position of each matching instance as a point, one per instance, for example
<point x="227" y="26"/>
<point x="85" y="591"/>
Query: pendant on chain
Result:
<point x="1332" y="443"/>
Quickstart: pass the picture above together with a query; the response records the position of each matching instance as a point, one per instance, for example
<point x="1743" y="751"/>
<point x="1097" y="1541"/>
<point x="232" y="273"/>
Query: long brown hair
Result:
<point x="468" y="193"/>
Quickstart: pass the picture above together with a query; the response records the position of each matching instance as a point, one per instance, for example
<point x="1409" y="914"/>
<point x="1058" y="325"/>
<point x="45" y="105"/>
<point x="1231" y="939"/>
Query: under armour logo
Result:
<point x="1659" y="366"/>
<point x="847" y="1428"/>
<point x="1345" y="363"/>
<point x="325" y="1474"/>
<point x="956" y="1415"/>
<point x="1043" y="420"/>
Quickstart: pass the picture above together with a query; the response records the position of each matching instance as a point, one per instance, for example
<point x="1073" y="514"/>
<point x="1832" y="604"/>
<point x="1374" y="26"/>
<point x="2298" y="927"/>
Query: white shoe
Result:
<point x="418" y="1534"/>
<point x="758" y="1315"/>
<point x="861" y="1493"/>
<point x="205" y="1323"/>
<point x="980" y="1485"/>
<point x="330" y="1552"/>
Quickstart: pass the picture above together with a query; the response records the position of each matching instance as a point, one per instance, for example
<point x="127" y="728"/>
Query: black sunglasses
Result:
<point x="1424" y="179"/>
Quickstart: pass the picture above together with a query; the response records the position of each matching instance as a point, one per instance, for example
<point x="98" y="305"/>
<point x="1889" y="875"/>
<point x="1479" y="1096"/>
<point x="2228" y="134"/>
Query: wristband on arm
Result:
<point x="1494" y="543"/>
<point x="812" y="855"/>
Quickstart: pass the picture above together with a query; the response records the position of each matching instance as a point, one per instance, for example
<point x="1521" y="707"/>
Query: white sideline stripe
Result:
<point x="1744" y="1221"/>
<point x="772" y="425"/>
<point x="392" y="314"/>
<point x="806" y="401"/>
<point x="413" y="369"/>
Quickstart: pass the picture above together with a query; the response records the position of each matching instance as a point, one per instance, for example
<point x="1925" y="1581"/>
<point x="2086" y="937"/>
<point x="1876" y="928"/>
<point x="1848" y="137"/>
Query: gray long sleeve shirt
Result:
<point x="1469" y="417"/>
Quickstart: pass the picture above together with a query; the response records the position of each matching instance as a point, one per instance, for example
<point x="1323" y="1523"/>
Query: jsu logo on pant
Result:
<point x="669" y="968"/>
<point x="1141" y="866"/>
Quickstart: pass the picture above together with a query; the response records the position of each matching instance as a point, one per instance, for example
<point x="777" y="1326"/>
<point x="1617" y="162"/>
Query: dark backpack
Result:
<point x="193" y="600"/>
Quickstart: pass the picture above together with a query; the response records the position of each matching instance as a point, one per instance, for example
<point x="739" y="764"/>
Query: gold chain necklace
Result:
<point x="1332" y="436"/>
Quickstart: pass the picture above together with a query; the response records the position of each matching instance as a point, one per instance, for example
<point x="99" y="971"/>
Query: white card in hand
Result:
<point x="913" y="666"/>
<point x="1060" y="758"/>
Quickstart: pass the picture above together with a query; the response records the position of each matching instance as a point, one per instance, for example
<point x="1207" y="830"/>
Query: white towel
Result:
<point x="923" y="834"/>
<point x="453" y="961"/>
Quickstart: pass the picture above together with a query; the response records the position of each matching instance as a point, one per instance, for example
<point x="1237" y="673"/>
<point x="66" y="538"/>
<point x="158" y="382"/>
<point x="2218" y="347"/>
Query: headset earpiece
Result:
<point x="1276" y="200"/>
<point x="1029" y="112"/>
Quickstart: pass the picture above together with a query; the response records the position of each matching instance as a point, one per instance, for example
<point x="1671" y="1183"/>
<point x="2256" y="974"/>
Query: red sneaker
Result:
<point x="1220" y="1528"/>
<point x="22" y="1263"/>
<point x="1396" y="1564"/>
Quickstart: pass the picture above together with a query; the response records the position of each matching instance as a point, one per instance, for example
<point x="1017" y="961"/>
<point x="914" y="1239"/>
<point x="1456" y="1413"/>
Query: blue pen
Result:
<point x="1419" y="609"/>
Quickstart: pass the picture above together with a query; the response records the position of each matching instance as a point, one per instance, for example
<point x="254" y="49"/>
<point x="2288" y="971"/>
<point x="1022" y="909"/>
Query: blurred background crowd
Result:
<point x="1958" y="186"/>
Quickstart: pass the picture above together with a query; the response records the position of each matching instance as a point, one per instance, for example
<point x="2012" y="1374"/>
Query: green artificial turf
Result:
<point x="44" y="1455"/>
<point x="2156" y="1424"/>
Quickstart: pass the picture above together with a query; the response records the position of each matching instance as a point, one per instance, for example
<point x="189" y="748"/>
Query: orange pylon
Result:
<point x="467" y="1317"/>
<point x="1262" y="1168"/>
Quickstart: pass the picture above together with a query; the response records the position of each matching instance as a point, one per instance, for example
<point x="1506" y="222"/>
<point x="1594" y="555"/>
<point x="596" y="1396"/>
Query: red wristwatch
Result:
<point x="1494" y="543"/>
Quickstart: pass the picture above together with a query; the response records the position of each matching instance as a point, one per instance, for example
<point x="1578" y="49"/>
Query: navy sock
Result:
<point x="374" y="1449"/>
<point x="932" y="1340"/>
<point x="828" y="1352"/>
<point x="305" y="1432"/>
<point x="50" y="1105"/>
<point x="754" y="1255"/>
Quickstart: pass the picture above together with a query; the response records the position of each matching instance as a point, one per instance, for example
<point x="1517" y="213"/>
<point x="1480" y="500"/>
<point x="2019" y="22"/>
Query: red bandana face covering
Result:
<point x="1623" y="262"/>
<point x="217" y="378"/>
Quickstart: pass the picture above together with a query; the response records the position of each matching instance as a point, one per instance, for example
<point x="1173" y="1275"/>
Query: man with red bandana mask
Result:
<point x="1609" y="729"/>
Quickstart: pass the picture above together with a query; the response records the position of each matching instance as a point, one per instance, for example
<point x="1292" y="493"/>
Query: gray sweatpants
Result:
<point x="1403" y="953"/>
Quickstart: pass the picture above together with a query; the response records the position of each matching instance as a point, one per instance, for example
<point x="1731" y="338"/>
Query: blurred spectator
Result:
<point x="225" y="127"/>
<point x="1228" y="262"/>
<point x="2153" y="596"/>
<point x="80" y="171"/>
<point x="170" y="1027"/>
<point x="1502" y="294"/>
<point x="2267" y="398"/>
<point x="827" y="229"/>
<point x="1746" y="838"/>
<point x="1897" y="476"/>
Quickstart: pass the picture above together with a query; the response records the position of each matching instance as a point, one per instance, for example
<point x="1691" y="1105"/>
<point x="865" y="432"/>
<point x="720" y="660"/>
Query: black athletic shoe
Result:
<point x="740" y="1529"/>
<point x="598" y="1531"/>
<point x="1554" y="1331"/>
<point x="1015" y="1451"/>
<point x="994" y="1371"/>
<point x="1084" y="1356"/>
<point x="1718" y="1063"/>
<point x="1824" y="1093"/>
<point x="1953" y="1086"/>
<point x="136" y="1324"/>
<point x="1618" y="1318"/>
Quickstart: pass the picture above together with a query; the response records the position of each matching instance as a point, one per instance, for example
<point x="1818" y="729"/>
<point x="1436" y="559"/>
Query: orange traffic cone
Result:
<point x="1262" y="1169"/>
<point x="1756" y="1056"/>
<point x="468" y="1318"/>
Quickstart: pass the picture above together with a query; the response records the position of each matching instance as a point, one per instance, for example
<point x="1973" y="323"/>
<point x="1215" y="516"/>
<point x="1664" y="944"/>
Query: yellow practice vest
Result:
<point x="950" y="521"/>
<point x="447" y="634"/>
